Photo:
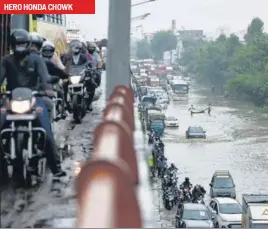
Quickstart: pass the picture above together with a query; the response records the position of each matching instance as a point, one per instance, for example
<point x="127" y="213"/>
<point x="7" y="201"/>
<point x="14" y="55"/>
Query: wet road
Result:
<point x="236" y="141"/>
<point x="43" y="207"/>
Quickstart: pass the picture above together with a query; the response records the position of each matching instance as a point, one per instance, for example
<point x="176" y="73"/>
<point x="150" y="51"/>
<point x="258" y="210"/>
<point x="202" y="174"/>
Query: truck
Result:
<point x="254" y="211"/>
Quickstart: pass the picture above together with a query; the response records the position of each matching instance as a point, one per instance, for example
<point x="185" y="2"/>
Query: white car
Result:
<point x="226" y="212"/>
<point x="160" y="103"/>
<point x="171" y="122"/>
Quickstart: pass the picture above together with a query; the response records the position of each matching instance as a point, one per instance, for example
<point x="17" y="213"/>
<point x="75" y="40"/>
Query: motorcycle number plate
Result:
<point x="18" y="117"/>
<point x="76" y="85"/>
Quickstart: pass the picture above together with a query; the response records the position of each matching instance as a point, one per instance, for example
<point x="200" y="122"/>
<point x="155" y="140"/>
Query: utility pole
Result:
<point x="118" y="52"/>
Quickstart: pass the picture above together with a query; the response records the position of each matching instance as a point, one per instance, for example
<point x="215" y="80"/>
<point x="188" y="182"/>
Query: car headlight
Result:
<point x="20" y="107"/>
<point x="75" y="79"/>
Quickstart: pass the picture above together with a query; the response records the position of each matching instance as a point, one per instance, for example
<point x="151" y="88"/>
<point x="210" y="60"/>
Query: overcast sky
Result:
<point x="209" y="15"/>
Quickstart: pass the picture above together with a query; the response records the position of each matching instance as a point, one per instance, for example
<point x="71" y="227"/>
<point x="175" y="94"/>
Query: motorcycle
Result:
<point x="199" y="200"/>
<point x="22" y="144"/>
<point x="58" y="106"/>
<point x="185" y="194"/>
<point x="77" y="93"/>
<point x="169" y="199"/>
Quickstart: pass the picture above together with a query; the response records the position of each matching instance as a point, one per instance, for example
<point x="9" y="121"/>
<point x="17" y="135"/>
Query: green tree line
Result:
<point x="161" y="42"/>
<point x="240" y="67"/>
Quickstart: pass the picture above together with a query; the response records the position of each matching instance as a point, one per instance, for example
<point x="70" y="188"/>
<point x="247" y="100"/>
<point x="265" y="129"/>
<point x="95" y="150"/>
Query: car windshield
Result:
<point x="231" y="208"/>
<point x="171" y="119"/>
<point x="157" y="123"/>
<point x="223" y="182"/>
<point x="196" y="130"/>
<point x="195" y="215"/>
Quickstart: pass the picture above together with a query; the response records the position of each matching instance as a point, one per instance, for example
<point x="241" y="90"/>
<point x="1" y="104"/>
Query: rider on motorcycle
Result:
<point x="151" y="164"/>
<point x="186" y="183"/>
<point x="158" y="142"/>
<point x="95" y="57"/>
<point x="56" y="72"/>
<point x="198" y="191"/>
<point x="36" y="46"/>
<point x="26" y="69"/>
<point x="73" y="58"/>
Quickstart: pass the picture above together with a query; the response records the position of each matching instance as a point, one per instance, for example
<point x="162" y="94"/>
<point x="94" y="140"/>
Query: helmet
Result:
<point x="76" y="46"/>
<point x="91" y="46"/>
<point x="48" y="49"/>
<point x="37" y="39"/>
<point x="20" y="41"/>
<point x="187" y="179"/>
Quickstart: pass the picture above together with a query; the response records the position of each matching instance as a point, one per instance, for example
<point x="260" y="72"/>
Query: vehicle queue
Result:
<point x="219" y="208"/>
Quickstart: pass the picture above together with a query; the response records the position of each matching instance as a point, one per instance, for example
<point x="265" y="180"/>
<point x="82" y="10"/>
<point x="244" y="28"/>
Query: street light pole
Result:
<point x="141" y="17"/>
<point x="141" y="3"/>
<point x="118" y="52"/>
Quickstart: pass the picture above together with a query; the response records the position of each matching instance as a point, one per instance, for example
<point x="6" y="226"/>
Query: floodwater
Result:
<point x="236" y="141"/>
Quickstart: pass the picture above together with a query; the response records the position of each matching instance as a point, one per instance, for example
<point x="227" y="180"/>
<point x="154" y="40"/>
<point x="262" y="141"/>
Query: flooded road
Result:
<point x="236" y="141"/>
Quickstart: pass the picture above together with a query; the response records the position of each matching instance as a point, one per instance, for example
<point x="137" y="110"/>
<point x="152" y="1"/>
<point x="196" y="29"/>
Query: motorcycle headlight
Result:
<point x="20" y="107"/>
<point x="75" y="79"/>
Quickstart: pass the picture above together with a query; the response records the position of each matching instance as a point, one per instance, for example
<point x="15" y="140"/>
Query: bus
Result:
<point x="180" y="89"/>
<point x="50" y="26"/>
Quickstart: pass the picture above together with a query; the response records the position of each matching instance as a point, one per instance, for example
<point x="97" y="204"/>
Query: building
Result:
<point x="73" y="32"/>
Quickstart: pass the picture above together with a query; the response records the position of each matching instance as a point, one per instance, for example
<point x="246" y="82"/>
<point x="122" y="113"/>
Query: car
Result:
<point x="195" y="132"/>
<point x="227" y="212"/>
<point x="222" y="184"/>
<point x="171" y="122"/>
<point x="161" y="104"/>
<point x="193" y="215"/>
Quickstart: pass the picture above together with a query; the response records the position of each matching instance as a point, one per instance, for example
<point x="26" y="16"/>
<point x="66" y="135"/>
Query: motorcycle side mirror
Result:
<point x="213" y="217"/>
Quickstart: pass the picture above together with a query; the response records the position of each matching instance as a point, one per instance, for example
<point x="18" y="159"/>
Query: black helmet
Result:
<point x="37" y="40"/>
<point x="48" y="49"/>
<point x="76" y="46"/>
<point x="20" y="41"/>
<point x="187" y="179"/>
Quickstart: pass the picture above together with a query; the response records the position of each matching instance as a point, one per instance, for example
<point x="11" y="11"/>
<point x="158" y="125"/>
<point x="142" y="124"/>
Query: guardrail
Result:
<point x="107" y="184"/>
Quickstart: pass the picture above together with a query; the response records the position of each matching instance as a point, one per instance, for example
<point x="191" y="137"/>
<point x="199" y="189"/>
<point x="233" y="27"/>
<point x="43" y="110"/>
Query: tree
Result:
<point x="240" y="67"/>
<point x="161" y="42"/>
<point x="143" y="49"/>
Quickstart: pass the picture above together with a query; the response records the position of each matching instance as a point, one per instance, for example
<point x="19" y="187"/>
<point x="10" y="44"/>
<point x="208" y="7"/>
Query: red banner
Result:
<point x="47" y="7"/>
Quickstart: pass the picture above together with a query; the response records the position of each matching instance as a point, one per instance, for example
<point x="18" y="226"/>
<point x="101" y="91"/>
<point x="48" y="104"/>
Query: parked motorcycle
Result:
<point x="169" y="199"/>
<point x="22" y="143"/>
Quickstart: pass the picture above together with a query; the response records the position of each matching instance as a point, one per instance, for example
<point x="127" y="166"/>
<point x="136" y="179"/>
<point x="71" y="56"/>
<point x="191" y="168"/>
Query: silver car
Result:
<point x="193" y="216"/>
<point x="227" y="212"/>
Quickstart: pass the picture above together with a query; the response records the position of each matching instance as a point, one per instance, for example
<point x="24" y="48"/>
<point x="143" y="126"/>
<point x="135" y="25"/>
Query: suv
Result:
<point x="226" y="212"/>
<point x="222" y="184"/>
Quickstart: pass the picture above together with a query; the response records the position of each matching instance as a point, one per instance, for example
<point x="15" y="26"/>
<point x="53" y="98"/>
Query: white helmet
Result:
<point x="48" y="43"/>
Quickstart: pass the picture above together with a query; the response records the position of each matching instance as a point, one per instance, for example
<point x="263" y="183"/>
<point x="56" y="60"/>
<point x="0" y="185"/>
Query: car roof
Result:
<point x="195" y="127"/>
<point x="193" y="206"/>
<point x="222" y="173"/>
<point x="225" y="200"/>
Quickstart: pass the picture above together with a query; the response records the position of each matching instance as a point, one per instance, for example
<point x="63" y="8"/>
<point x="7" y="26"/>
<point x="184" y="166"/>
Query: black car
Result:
<point x="222" y="184"/>
<point x="195" y="132"/>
